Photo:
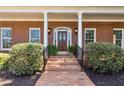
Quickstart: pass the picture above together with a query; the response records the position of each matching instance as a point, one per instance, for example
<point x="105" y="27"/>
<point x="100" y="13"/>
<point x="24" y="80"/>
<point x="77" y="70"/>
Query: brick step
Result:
<point x="62" y="59"/>
<point x="62" y="68"/>
<point x="62" y="56"/>
<point x="62" y="63"/>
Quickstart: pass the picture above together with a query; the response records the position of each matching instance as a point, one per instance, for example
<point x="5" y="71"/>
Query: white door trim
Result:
<point x="69" y="35"/>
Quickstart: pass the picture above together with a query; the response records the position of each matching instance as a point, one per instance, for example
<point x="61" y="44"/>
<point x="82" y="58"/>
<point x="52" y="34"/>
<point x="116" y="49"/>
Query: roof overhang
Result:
<point x="62" y="11"/>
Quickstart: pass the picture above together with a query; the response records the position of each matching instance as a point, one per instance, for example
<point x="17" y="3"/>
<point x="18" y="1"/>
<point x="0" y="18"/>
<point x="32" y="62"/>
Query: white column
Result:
<point x="45" y="29"/>
<point x="80" y="30"/>
<point x="80" y="36"/>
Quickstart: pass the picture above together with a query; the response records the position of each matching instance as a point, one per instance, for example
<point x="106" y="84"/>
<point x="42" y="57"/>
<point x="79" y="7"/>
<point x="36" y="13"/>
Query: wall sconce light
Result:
<point x="76" y="30"/>
<point x="49" y="30"/>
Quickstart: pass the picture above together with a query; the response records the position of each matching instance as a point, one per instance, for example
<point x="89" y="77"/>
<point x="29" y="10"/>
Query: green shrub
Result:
<point x="52" y="50"/>
<point x="105" y="57"/>
<point x="25" y="58"/>
<point x="3" y="61"/>
<point x="71" y="49"/>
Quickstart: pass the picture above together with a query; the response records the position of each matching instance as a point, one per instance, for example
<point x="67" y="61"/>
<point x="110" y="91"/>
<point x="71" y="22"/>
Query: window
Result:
<point x="90" y="35"/>
<point x="117" y="36"/>
<point x="34" y="35"/>
<point x="6" y="38"/>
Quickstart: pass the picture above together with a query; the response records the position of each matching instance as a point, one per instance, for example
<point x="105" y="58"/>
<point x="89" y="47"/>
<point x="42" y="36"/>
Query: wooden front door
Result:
<point x="62" y="41"/>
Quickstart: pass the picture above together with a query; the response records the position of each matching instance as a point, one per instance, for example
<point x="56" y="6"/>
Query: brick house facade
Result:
<point x="70" y="26"/>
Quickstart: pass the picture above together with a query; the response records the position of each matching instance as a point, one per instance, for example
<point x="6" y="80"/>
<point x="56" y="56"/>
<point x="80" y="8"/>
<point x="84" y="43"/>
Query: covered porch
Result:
<point x="63" y="36"/>
<point x="65" y="27"/>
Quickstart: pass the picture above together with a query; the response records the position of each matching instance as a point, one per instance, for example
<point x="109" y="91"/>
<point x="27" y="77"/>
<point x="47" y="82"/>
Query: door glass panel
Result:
<point x="64" y="36"/>
<point x="60" y="37"/>
<point x="54" y="38"/>
<point x="69" y="38"/>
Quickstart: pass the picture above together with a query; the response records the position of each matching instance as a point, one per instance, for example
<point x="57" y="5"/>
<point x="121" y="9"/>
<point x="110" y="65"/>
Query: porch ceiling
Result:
<point x="104" y="17"/>
<point x="21" y="17"/>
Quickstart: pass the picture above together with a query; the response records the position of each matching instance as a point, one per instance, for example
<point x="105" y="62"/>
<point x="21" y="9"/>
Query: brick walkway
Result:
<point x="57" y="78"/>
<point x="63" y="71"/>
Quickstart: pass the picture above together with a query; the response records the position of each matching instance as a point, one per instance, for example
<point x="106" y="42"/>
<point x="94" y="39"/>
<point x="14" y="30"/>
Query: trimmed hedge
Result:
<point x="52" y="50"/>
<point x="105" y="57"/>
<point x="25" y="58"/>
<point x="3" y="61"/>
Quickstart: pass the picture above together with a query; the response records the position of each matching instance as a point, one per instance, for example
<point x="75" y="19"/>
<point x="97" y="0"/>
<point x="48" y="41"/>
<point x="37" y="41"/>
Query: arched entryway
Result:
<point x="62" y="38"/>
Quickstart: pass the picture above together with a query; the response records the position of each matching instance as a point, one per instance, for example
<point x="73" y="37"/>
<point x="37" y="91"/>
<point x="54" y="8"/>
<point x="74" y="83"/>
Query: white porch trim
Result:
<point x="65" y="11"/>
<point x="39" y="11"/>
<point x="69" y="35"/>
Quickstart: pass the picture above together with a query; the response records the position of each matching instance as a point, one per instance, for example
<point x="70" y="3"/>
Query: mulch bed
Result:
<point x="106" y="79"/>
<point x="8" y="79"/>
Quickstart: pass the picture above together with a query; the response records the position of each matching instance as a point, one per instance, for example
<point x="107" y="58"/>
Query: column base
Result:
<point x="80" y="57"/>
<point x="46" y="56"/>
<point x="80" y="53"/>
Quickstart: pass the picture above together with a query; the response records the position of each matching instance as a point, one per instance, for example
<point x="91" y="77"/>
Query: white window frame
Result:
<point x="122" y="41"/>
<point x="4" y="38"/>
<point x="94" y="29"/>
<point x="30" y="29"/>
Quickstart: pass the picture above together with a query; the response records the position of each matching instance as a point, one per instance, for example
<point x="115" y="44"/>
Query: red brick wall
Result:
<point x="104" y="31"/>
<point x="20" y="30"/>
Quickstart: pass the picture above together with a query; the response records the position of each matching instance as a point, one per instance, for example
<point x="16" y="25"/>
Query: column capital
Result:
<point x="80" y="13"/>
<point x="45" y="12"/>
<point x="79" y="16"/>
